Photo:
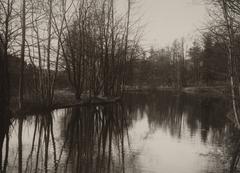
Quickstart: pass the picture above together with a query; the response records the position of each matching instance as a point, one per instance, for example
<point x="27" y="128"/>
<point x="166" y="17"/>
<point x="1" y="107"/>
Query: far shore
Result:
<point x="64" y="98"/>
<point x="217" y="91"/>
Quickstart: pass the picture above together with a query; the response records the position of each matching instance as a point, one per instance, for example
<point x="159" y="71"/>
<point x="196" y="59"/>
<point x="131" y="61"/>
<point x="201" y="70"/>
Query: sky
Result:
<point x="167" y="20"/>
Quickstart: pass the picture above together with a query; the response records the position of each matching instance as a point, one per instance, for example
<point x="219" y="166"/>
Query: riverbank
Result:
<point x="63" y="99"/>
<point x="210" y="91"/>
<point x="215" y="91"/>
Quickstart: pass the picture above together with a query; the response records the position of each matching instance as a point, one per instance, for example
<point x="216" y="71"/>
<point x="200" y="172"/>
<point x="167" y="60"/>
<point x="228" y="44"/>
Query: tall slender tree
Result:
<point x="21" y="80"/>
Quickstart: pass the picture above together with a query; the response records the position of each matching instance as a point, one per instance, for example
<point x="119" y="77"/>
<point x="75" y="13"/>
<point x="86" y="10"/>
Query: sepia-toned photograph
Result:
<point x="119" y="86"/>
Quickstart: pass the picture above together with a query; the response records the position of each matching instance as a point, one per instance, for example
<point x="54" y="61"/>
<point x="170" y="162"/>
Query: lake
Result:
<point x="148" y="132"/>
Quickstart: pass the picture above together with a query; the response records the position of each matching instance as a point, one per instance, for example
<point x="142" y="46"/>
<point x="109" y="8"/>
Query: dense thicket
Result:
<point x="203" y="64"/>
<point x="88" y="41"/>
<point x="96" y="49"/>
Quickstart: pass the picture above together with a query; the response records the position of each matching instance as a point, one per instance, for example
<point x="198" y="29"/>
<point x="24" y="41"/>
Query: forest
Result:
<point x="86" y="41"/>
<point x="93" y="48"/>
<point x="76" y="72"/>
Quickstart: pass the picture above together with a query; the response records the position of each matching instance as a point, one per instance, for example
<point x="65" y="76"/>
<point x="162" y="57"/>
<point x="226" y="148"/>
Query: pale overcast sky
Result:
<point x="167" y="20"/>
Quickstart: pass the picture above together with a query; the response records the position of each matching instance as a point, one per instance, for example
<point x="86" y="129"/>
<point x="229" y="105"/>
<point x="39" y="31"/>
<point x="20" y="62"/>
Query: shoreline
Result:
<point x="65" y="98"/>
<point x="212" y="91"/>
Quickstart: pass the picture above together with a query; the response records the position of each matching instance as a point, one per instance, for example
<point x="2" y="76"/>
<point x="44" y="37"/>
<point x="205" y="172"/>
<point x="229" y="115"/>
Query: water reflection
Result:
<point x="146" y="133"/>
<point x="87" y="139"/>
<point x="4" y="137"/>
<point x="176" y="112"/>
<point x="181" y="133"/>
<point x="94" y="135"/>
<point x="35" y="138"/>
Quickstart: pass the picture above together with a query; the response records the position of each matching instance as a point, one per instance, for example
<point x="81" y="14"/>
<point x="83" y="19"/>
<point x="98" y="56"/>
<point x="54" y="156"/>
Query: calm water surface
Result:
<point x="147" y="133"/>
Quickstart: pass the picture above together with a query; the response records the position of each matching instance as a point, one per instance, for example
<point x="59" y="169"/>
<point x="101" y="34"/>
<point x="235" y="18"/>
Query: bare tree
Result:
<point x="7" y="34"/>
<point x="226" y="20"/>
<point x="96" y="48"/>
<point x="233" y="72"/>
<point x="21" y="80"/>
<point x="44" y="46"/>
<point x="178" y="63"/>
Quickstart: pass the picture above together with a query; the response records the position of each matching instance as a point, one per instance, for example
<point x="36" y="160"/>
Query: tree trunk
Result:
<point x="232" y="65"/>
<point x="21" y="80"/>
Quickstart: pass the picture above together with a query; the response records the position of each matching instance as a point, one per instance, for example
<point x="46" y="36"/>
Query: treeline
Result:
<point x="89" y="41"/>
<point x="214" y="60"/>
<point x="203" y="64"/>
<point x="224" y="30"/>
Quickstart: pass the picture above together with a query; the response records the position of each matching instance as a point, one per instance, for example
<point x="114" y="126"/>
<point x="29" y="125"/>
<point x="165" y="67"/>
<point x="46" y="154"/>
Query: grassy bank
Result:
<point x="63" y="99"/>
<point x="215" y="91"/>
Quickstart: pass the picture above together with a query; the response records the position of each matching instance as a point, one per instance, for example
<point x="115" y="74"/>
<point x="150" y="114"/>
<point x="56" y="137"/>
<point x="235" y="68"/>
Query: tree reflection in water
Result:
<point x="35" y="157"/>
<point x="94" y="139"/>
<point x="4" y="137"/>
<point x="93" y="135"/>
<point x="173" y="113"/>
<point x="91" y="140"/>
